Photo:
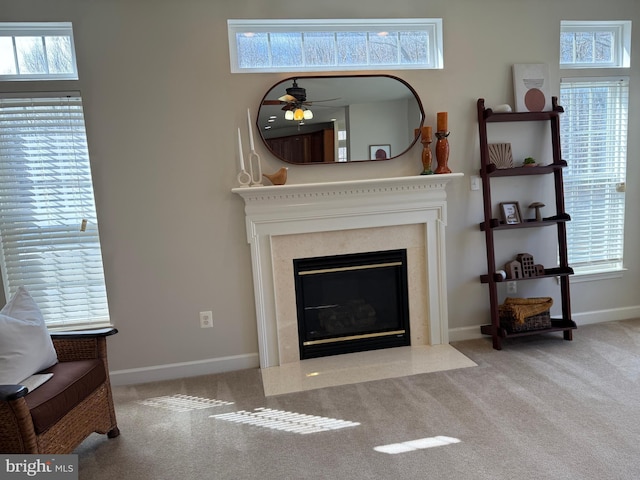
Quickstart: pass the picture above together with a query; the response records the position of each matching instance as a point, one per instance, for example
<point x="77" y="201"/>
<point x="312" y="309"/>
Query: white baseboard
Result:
<point x="611" y="315"/>
<point x="172" y="371"/>
<point x="586" y="318"/>
<point x="211" y="366"/>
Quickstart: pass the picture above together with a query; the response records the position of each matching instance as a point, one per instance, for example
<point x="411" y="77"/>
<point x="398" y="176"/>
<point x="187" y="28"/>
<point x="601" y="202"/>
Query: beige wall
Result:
<point x="162" y="111"/>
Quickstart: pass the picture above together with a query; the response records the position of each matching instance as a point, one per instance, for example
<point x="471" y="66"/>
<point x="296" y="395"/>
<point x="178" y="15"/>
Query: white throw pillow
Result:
<point x="25" y="343"/>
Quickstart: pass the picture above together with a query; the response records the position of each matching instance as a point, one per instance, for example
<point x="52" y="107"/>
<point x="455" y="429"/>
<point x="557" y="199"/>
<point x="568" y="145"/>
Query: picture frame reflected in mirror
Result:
<point x="379" y="152"/>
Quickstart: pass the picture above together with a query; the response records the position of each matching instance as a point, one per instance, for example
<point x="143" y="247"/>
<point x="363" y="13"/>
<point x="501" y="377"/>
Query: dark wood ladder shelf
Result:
<point x="488" y="171"/>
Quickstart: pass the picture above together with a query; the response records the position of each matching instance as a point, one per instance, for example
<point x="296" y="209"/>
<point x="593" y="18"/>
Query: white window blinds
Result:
<point x="49" y="239"/>
<point x="594" y="143"/>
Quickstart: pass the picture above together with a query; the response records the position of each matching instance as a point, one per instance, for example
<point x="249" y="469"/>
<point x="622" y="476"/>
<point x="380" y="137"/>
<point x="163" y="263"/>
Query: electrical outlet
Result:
<point x="512" y="287"/>
<point x="474" y="182"/>
<point x="206" y="319"/>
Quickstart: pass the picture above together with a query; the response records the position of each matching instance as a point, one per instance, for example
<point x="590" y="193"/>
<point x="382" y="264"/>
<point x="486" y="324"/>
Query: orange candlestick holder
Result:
<point x="442" y="152"/>
<point x="427" y="159"/>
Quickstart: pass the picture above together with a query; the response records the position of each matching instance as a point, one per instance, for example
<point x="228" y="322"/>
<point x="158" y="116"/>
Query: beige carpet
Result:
<point x="542" y="408"/>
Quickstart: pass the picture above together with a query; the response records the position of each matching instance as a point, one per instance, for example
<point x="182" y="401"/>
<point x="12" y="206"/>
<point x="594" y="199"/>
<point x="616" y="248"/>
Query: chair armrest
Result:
<point x="12" y="392"/>
<point x="82" y="344"/>
<point x="94" y="333"/>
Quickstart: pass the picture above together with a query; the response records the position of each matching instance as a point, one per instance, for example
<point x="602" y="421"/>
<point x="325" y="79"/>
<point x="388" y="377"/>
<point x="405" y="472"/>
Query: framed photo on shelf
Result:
<point x="379" y="152"/>
<point x="511" y="213"/>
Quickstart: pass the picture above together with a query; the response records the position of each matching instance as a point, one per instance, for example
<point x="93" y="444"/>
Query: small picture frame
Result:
<point x="379" y="152"/>
<point x="511" y="213"/>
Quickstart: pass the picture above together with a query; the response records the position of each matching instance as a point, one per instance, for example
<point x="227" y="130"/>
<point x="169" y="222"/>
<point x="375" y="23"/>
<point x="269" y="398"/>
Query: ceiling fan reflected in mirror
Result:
<point x="295" y="104"/>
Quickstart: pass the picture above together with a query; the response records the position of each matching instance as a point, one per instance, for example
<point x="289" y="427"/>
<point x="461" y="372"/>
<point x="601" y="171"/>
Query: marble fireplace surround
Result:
<point x="308" y="220"/>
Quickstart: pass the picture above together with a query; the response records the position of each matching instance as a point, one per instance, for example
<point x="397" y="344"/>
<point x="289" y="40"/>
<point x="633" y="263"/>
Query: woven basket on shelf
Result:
<point x="524" y="314"/>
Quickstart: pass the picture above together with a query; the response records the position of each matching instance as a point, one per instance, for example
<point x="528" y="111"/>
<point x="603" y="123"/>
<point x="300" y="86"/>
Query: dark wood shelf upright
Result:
<point x="488" y="171"/>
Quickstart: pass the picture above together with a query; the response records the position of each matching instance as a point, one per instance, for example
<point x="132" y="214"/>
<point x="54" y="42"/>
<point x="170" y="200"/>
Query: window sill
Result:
<point x="591" y="276"/>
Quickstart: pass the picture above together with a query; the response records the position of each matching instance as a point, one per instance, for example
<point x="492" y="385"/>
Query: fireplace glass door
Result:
<point x="350" y="303"/>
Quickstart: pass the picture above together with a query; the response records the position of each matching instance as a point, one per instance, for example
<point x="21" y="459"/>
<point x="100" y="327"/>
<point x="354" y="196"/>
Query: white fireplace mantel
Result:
<point x="341" y="206"/>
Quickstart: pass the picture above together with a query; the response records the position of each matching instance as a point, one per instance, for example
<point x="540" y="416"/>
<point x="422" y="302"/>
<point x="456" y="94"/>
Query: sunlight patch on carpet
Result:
<point x="285" y="421"/>
<point x="183" y="403"/>
<point x="413" y="445"/>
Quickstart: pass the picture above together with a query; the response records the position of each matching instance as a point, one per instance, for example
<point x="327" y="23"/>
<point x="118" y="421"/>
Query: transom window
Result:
<point x="317" y="45"/>
<point x="602" y="44"/>
<point x="37" y="51"/>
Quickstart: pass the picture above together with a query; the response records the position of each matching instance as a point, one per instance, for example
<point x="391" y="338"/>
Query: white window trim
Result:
<point x="235" y="26"/>
<point x="591" y="275"/>
<point x="622" y="33"/>
<point x="40" y="29"/>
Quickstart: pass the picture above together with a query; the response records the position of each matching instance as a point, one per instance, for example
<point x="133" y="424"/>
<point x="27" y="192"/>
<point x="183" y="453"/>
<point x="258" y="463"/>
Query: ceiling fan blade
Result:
<point x="288" y="98"/>
<point x="271" y="102"/>
<point x="313" y="102"/>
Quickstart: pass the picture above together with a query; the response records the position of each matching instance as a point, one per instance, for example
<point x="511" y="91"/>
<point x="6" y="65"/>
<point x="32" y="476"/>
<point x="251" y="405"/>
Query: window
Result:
<point x="317" y="45"/>
<point x="594" y="143"/>
<point x="37" y="51"/>
<point x="595" y="44"/>
<point x="49" y="239"/>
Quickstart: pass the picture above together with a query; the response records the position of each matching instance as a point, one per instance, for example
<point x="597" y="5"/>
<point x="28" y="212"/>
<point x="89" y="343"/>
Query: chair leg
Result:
<point x="113" y="433"/>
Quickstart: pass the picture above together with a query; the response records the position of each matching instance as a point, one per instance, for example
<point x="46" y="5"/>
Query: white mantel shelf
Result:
<point x="343" y="206"/>
<point x="287" y="194"/>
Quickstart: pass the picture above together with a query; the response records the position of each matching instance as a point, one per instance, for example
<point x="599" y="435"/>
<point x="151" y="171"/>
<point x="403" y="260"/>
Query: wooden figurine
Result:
<point x="537" y="206"/>
<point x="277" y="178"/>
<point x="528" y="267"/>
<point x="513" y="269"/>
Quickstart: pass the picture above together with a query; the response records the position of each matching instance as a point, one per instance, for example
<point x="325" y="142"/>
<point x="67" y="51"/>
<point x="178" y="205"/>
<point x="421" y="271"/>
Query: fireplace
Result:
<point x="287" y="222"/>
<point x="351" y="303"/>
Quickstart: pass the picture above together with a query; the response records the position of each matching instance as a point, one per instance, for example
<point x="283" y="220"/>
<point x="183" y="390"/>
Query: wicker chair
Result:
<point x="57" y="416"/>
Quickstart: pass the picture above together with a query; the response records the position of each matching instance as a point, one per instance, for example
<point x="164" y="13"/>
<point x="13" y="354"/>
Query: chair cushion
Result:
<point x="71" y="383"/>
<point x="25" y="343"/>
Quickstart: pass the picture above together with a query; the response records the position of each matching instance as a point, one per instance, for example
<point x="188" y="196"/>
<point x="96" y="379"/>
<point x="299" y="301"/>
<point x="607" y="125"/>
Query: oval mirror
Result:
<point x="315" y="119"/>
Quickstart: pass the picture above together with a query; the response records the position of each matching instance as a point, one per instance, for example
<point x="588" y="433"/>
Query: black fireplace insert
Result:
<point x="351" y="303"/>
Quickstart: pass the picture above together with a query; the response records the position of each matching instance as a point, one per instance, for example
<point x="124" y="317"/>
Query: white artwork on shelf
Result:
<point x="531" y="87"/>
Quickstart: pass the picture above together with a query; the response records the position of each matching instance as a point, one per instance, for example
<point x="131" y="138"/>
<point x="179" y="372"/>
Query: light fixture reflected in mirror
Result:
<point x="298" y="113"/>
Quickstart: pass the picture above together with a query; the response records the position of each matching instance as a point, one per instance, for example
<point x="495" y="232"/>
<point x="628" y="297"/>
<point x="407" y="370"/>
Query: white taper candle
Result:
<point x="240" y="150"/>
<point x="250" y="131"/>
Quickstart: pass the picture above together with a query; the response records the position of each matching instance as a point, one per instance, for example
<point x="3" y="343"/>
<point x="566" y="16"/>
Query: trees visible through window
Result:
<point x="594" y="142"/>
<point x="49" y="241"/>
<point x="595" y="44"/>
<point x="315" y="45"/>
<point x="37" y="51"/>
